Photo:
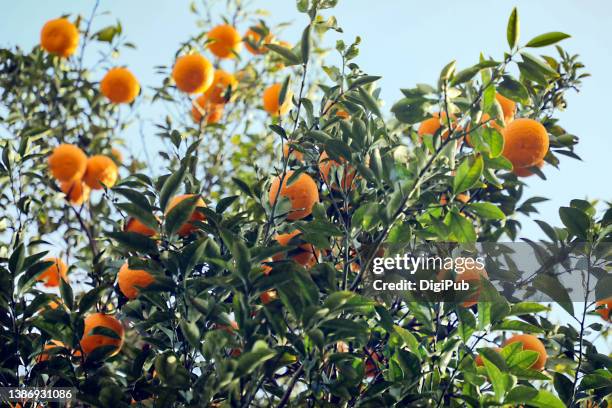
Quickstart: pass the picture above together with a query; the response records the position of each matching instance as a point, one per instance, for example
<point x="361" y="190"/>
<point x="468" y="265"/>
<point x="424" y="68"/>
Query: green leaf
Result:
<point x="518" y="325"/>
<point x="134" y="241"/>
<point x="576" y="221"/>
<point x="547" y="39"/>
<point x="180" y="214"/>
<point x="66" y="292"/>
<point x="461" y="228"/>
<point x="363" y="80"/>
<point x="496" y="377"/>
<point x="305" y="44"/>
<point x="527" y="308"/>
<point x="520" y="394"/>
<point x="513" y="29"/>
<point x="465" y="75"/>
<point x="191" y="332"/>
<point x="369" y="101"/>
<point x="551" y="286"/>
<point x="513" y="89"/>
<point x="546" y="399"/>
<point x="487" y="210"/>
<point x="249" y="361"/>
<point x="467" y="174"/>
<point x="289" y="56"/>
<point x="170" y="186"/>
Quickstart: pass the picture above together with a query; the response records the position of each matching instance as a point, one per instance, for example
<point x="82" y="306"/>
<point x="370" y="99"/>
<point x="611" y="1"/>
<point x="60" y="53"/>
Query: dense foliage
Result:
<point x="236" y="317"/>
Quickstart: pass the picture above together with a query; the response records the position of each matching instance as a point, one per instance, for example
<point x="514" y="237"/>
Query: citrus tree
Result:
<point x="234" y="267"/>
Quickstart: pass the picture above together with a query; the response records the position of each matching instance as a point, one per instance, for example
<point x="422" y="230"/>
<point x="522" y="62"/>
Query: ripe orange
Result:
<point x="531" y="342"/>
<point x="44" y="356"/>
<point x="188" y="227"/>
<point x="432" y="125"/>
<point x="526" y="171"/>
<point x="135" y="225"/>
<point x="76" y="191"/>
<point x="225" y="41"/>
<point x="508" y="107"/>
<point x="193" y="73"/>
<point x="59" y="36"/>
<point x="472" y="275"/>
<point x="258" y="46"/>
<point x="478" y="359"/>
<point x="371" y="367"/>
<point x="131" y="280"/>
<point x="326" y="165"/>
<point x="219" y="88"/>
<point x="462" y="197"/>
<point x="525" y="142"/>
<point x="100" y="170"/>
<point x="202" y="107"/>
<point x="271" y="100"/>
<point x="297" y="155"/>
<point x="67" y="162"/>
<point x="302" y="193"/>
<point x="605" y="306"/>
<point x="90" y="342"/>
<point x="268" y="296"/>
<point x="119" y="85"/>
<point x="51" y="275"/>
<point x="305" y="255"/>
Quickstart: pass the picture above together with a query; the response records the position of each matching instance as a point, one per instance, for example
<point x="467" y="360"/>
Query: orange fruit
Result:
<point x="131" y="280"/>
<point x="225" y="41"/>
<point x="44" y="356"/>
<point x="526" y="171"/>
<point x="76" y="191"/>
<point x="371" y="368"/>
<point x="59" y="36"/>
<point x="67" y="162"/>
<point x="221" y="82"/>
<point x="302" y="193"/>
<point x="604" y="308"/>
<point x="432" y="125"/>
<point x="202" y="107"/>
<point x="258" y="46"/>
<point x="193" y="73"/>
<point x="531" y="342"/>
<point x="297" y="155"/>
<point x="341" y="113"/>
<point x="326" y="165"/>
<point x="472" y="275"/>
<point x="135" y="225"/>
<point x="305" y="254"/>
<point x="265" y="268"/>
<point x="525" y="142"/>
<point x="271" y="100"/>
<point x="90" y="342"/>
<point x="51" y="275"/>
<point x="119" y="85"/>
<point x="100" y="170"/>
<point x="462" y="197"/>
<point x="268" y="296"/>
<point x="508" y="107"/>
<point x="188" y="227"/>
<point x="478" y="360"/>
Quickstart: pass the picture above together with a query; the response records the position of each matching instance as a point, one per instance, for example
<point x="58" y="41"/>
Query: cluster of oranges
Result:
<point x="77" y="174"/>
<point x="525" y="140"/>
<point x="195" y="74"/>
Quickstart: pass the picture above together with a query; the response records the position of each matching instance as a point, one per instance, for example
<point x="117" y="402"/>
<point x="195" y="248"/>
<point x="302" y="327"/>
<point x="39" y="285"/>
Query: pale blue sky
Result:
<point x="406" y="42"/>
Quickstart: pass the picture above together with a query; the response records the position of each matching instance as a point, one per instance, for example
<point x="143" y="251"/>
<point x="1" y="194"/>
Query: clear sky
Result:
<point x="404" y="41"/>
